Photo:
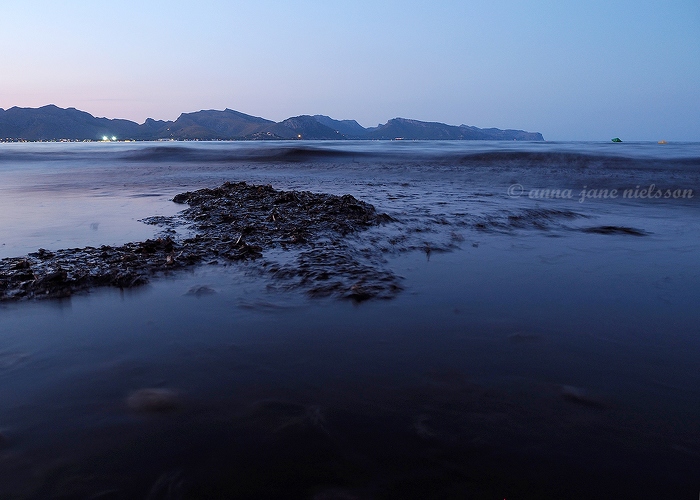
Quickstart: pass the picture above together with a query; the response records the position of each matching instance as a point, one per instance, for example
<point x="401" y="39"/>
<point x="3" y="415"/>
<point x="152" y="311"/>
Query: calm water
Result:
<point x="545" y="345"/>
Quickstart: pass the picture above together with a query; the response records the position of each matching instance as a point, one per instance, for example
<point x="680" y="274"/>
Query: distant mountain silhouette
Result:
<point x="54" y="123"/>
<point x="402" y="128"/>
<point x="301" y="127"/>
<point x="349" y="128"/>
<point x="212" y="124"/>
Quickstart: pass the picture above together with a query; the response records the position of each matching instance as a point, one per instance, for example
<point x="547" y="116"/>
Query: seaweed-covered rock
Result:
<point x="233" y="222"/>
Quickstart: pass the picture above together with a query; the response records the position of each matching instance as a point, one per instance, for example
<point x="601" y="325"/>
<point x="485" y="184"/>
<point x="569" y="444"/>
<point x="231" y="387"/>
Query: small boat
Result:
<point x="617" y="139"/>
<point x="662" y="142"/>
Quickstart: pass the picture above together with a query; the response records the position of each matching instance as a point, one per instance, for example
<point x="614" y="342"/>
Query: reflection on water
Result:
<point x="483" y="376"/>
<point x="534" y="361"/>
<point x="56" y="221"/>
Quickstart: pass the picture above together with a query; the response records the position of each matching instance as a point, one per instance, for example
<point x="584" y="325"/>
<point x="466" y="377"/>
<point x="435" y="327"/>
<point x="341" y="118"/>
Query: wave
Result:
<point x="571" y="160"/>
<point x="238" y="154"/>
<point x="411" y="152"/>
<point x="453" y="153"/>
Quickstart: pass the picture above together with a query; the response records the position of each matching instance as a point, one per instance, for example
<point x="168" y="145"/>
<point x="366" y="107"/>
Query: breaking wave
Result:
<point x="412" y="152"/>
<point x="257" y="153"/>
<point x="454" y="153"/>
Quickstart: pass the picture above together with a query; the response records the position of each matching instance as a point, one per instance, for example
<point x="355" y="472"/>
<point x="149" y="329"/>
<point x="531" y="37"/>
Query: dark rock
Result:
<point x="22" y="264"/>
<point x="630" y="231"/>
<point x="201" y="290"/>
<point x="235" y="222"/>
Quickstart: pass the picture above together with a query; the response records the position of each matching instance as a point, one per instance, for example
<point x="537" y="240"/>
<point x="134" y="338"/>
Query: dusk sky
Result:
<point x="571" y="70"/>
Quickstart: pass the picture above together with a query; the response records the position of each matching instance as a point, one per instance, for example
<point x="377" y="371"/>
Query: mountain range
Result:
<point x="53" y="123"/>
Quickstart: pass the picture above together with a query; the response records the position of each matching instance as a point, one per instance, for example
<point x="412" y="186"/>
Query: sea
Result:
<point x="545" y="342"/>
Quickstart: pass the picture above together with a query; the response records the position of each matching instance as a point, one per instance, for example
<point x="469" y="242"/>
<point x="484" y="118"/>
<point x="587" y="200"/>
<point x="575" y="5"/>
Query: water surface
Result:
<point x="525" y="358"/>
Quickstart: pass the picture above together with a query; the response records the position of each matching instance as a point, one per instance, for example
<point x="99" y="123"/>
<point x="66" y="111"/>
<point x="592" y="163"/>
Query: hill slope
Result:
<point x="54" y="123"/>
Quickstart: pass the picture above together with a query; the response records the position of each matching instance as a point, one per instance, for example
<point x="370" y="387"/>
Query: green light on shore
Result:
<point x="114" y="138"/>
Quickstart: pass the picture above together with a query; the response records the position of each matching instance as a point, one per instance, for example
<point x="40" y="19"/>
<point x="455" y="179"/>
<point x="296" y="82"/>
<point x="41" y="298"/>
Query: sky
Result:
<point x="570" y="70"/>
